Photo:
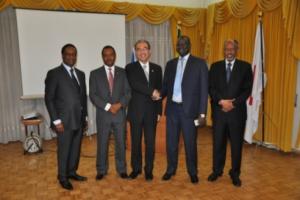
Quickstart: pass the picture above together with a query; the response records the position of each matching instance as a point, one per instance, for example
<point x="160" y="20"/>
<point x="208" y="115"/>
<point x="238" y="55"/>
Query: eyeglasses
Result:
<point x="143" y="49"/>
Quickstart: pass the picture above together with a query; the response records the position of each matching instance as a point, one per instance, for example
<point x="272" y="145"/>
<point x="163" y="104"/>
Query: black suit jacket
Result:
<point x="194" y="86"/>
<point x="141" y="90"/>
<point x="63" y="100"/>
<point x="238" y="88"/>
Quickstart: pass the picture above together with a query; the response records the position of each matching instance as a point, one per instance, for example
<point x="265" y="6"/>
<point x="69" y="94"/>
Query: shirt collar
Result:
<point x="232" y="62"/>
<point x="186" y="57"/>
<point x="107" y="68"/>
<point x="142" y="64"/>
<point x="67" y="67"/>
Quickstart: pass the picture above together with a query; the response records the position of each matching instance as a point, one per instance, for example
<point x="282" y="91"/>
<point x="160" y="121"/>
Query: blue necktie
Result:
<point x="228" y="72"/>
<point x="178" y="79"/>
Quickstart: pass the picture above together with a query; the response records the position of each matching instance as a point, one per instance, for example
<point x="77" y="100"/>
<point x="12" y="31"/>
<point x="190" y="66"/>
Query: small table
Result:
<point x="32" y="122"/>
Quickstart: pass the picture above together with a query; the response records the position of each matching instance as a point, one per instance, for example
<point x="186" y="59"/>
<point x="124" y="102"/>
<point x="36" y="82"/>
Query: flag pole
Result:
<point x="260" y="14"/>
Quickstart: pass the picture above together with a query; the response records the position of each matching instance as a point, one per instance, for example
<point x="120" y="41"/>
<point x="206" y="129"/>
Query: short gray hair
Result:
<point x="232" y="41"/>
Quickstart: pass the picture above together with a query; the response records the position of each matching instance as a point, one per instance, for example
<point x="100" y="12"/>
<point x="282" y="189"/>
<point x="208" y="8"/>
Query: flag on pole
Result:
<point x="178" y="27"/>
<point x="133" y="56"/>
<point x="254" y="101"/>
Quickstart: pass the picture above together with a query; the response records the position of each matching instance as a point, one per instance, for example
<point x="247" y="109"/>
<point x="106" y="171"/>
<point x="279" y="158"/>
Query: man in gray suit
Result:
<point x="110" y="93"/>
<point x="65" y="98"/>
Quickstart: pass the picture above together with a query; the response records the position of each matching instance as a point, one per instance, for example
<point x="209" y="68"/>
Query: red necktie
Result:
<point x="110" y="81"/>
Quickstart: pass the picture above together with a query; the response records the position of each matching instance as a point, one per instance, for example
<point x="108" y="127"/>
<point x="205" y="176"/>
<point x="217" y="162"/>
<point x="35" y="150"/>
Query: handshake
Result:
<point x="156" y="95"/>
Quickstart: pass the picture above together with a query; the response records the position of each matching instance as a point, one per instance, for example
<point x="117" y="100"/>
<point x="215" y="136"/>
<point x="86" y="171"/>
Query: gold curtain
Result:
<point x="280" y="66"/>
<point x="194" y="27"/>
<point x="291" y="15"/>
<point x="193" y="21"/>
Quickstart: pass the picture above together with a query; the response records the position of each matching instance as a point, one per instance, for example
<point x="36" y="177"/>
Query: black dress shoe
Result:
<point x="194" y="179"/>
<point x="167" y="176"/>
<point x="77" y="177"/>
<point x="236" y="181"/>
<point x="213" y="177"/>
<point x="99" y="177"/>
<point x="148" y="176"/>
<point x="134" y="174"/>
<point x="66" y="184"/>
<point x="124" y="175"/>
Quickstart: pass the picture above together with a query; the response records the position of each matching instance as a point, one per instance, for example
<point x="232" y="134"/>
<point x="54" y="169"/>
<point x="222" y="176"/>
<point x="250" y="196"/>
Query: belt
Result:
<point x="177" y="103"/>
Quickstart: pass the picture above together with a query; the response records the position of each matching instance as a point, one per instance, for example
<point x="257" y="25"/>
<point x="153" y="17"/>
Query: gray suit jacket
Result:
<point x="100" y="94"/>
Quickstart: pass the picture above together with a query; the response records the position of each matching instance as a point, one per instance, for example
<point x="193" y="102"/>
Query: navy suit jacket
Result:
<point x="194" y="86"/>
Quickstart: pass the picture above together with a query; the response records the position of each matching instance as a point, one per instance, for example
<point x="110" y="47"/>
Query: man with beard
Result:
<point x="110" y="93"/>
<point x="185" y="85"/>
<point x="230" y="84"/>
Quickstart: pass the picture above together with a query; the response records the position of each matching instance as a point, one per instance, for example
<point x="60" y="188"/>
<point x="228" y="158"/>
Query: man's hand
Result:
<point x="115" y="108"/>
<point x="59" y="128"/>
<point x="202" y="121"/>
<point x="158" y="118"/>
<point x="227" y="105"/>
<point x="155" y="95"/>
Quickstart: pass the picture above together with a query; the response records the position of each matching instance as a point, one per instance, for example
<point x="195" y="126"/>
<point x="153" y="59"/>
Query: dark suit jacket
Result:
<point x="194" y="86"/>
<point x="63" y="100"/>
<point x="100" y="94"/>
<point x="238" y="88"/>
<point x="142" y="91"/>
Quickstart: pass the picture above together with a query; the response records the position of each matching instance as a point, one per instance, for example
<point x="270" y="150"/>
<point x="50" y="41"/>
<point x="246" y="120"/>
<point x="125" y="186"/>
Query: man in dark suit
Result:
<point x="230" y="84"/>
<point x="66" y="101"/>
<point x="110" y="93"/>
<point x="145" y="79"/>
<point x="186" y="86"/>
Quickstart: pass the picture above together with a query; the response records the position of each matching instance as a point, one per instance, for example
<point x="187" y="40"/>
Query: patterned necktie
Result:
<point x="228" y="72"/>
<point x="74" y="79"/>
<point x="145" y="71"/>
<point x="110" y="80"/>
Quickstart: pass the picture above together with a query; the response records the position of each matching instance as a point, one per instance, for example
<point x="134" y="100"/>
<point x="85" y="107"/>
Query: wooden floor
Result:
<point x="266" y="174"/>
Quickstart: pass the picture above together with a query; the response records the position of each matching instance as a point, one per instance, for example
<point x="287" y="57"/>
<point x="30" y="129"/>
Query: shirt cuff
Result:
<point x="56" y="122"/>
<point x="202" y="115"/>
<point x="107" y="107"/>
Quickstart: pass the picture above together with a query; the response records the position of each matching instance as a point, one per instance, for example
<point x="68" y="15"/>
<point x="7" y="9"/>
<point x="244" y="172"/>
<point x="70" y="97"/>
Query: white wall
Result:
<point x="42" y="34"/>
<point x="177" y="3"/>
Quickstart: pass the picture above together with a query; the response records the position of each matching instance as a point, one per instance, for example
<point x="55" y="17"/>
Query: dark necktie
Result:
<point x="75" y="82"/>
<point x="228" y="72"/>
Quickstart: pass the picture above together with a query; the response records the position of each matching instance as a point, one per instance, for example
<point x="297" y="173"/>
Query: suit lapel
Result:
<point x="223" y="73"/>
<point x="104" y="78"/>
<point x="141" y="71"/>
<point x="68" y="77"/>
<point x="116" y="80"/>
<point x="187" y="69"/>
<point x="151" y="74"/>
<point x="173" y="72"/>
<point x="233" y="72"/>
